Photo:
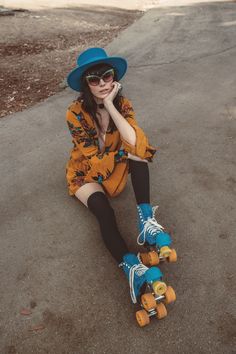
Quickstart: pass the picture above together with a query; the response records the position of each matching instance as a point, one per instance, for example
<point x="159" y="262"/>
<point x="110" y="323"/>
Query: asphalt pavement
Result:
<point x="181" y="80"/>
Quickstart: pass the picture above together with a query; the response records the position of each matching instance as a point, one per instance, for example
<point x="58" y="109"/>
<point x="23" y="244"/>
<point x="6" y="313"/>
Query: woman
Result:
<point x="108" y="144"/>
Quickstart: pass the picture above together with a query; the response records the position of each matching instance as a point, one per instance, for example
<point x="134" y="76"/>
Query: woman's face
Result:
<point x="103" y="88"/>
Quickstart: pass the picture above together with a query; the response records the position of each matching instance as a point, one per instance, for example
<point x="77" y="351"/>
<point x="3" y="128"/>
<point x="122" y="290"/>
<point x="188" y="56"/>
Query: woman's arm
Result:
<point x="126" y="130"/>
<point x="133" y="137"/>
<point x="133" y="157"/>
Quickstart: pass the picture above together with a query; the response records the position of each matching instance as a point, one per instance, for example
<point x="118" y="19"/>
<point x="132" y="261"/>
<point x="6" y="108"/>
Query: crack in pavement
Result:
<point x="183" y="60"/>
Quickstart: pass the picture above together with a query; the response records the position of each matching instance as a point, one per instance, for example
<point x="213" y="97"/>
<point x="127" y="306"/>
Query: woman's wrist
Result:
<point x="136" y="158"/>
<point x="108" y="104"/>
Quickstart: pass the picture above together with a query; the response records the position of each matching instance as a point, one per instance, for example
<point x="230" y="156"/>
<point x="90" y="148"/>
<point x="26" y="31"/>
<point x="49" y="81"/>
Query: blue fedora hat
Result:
<point x="91" y="57"/>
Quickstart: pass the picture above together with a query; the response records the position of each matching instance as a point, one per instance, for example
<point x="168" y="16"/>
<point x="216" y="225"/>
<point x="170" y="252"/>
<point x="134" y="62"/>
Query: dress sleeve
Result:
<point x="142" y="148"/>
<point x="101" y="164"/>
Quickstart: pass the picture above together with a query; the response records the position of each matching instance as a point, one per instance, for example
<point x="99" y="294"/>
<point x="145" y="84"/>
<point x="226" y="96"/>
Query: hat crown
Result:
<point x="90" y="55"/>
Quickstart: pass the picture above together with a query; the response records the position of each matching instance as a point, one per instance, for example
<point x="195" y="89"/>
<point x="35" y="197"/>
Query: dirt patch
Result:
<point x="39" y="48"/>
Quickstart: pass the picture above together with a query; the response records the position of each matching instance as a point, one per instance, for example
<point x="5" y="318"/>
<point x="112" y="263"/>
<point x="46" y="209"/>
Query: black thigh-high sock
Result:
<point x="140" y="181"/>
<point x="100" y="206"/>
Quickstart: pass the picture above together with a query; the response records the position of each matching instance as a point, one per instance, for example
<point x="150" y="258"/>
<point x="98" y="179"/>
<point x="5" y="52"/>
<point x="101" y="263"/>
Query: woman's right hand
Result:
<point x="135" y="158"/>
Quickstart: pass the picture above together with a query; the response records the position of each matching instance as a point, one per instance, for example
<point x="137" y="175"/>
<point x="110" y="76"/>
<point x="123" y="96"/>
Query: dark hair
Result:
<point x="88" y="102"/>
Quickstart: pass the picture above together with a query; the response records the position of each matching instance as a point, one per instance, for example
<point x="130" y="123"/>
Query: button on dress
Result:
<point x="108" y="163"/>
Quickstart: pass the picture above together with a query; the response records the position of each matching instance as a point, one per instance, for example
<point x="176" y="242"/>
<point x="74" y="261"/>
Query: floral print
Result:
<point x="88" y="164"/>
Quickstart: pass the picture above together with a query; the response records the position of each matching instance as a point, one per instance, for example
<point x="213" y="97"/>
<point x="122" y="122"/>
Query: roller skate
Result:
<point x="153" y="237"/>
<point x="147" y="289"/>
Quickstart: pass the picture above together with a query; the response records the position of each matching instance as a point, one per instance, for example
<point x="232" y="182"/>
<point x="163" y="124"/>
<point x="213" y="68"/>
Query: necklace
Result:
<point x="100" y="105"/>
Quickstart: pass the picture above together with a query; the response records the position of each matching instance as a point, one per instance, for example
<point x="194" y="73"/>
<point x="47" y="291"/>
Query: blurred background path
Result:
<point x="130" y="4"/>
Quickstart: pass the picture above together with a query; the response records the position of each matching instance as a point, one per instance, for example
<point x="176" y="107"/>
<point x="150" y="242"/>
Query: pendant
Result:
<point x="100" y="105"/>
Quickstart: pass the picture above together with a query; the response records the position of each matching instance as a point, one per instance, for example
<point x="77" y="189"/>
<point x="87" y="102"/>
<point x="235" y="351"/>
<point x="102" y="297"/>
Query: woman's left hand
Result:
<point x="136" y="158"/>
<point x="110" y="97"/>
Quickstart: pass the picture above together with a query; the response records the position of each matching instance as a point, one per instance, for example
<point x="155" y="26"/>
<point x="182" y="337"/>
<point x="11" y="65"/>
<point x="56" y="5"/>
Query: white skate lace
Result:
<point x="151" y="226"/>
<point x="140" y="269"/>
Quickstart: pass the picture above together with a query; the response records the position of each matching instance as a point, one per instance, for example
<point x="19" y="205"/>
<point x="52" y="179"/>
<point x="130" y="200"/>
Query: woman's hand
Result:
<point x="110" y="97"/>
<point x="133" y="157"/>
<point x="136" y="158"/>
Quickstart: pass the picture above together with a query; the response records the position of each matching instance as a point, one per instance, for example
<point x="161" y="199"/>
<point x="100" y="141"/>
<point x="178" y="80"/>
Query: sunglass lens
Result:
<point x="108" y="76"/>
<point x="93" y="80"/>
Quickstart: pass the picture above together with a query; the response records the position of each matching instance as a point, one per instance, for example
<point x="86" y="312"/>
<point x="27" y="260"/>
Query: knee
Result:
<point x="138" y="166"/>
<point x="99" y="204"/>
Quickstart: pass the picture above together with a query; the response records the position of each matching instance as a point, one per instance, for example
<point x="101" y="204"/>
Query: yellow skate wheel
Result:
<point x="173" y="256"/>
<point x="165" y="251"/>
<point x="161" y="311"/>
<point x="169" y="295"/>
<point x="148" y="301"/>
<point x="142" y="318"/>
<point x="144" y="258"/>
<point x="159" y="287"/>
<point x="153" y="258"/>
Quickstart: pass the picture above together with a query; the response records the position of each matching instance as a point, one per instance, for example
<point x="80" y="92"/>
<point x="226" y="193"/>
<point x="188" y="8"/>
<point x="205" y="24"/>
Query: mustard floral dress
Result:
<point x="108" y="166"/>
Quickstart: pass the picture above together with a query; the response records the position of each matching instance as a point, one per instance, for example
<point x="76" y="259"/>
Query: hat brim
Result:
<point x="73" y="79"/>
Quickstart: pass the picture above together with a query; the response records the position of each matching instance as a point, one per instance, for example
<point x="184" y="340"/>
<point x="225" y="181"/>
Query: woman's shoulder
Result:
<point x="75" y="112"/>
<point x="126" y="104"/>
<point x="127" y="108"/>
<point x="75" y="105"/>
<point x="125" y="99"/>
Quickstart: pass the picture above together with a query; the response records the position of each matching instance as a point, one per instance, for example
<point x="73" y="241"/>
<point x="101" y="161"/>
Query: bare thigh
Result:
<point x="84" y="192"/>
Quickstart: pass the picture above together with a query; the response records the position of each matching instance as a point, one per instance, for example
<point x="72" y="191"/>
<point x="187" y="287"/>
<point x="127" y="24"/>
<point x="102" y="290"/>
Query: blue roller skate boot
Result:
<point x="140" y="276"/>
<point x="153" y="237"/>
<point x="147" y="289"/>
